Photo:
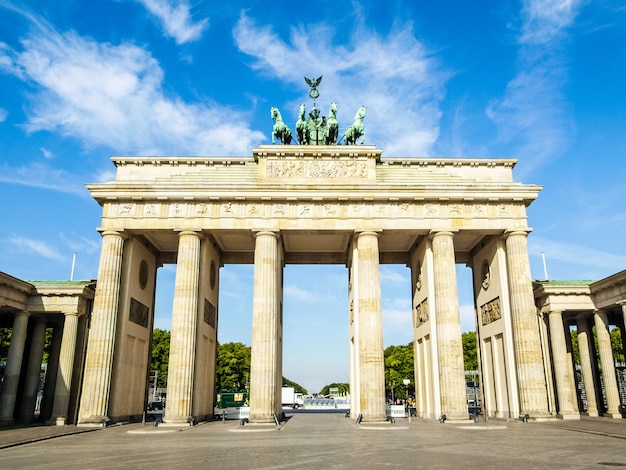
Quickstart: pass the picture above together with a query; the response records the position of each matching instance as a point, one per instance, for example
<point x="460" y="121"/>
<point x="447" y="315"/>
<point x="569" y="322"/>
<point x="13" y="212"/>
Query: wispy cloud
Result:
<point x="300" y="295"/>
<point x="3" y="114"/>
<point x="175" y="18"/>
<point x="547" y="20"/>
<point x="81" y="244"/>
<point x="40" y="175"/>
<point x="398" y="77"/>
<point x="31" y="246"/>
<point x="112" y="95"/>
<point x="46" y="153"/>
<point x="532" y="115"/>
<point x="576" y="254"/>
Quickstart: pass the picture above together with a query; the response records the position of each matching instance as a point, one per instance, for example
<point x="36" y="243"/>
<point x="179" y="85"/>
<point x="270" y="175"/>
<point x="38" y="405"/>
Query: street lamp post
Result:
<point x="406" y="383"/>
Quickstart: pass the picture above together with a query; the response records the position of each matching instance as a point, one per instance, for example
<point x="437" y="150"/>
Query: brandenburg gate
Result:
<point x="314" y="204"/>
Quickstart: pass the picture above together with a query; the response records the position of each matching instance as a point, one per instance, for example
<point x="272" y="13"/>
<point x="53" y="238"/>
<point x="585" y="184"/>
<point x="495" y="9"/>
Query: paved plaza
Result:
<point x="322" y="441"/>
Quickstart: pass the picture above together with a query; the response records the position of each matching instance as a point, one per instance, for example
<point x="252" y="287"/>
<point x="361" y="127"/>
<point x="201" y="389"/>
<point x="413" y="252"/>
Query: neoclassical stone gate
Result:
<point x="316" y="205"/>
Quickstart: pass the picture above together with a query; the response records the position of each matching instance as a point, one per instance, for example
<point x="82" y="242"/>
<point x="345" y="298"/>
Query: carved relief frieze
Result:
<point x="210" y="314"/>
<point x="504" y="210"/>
<point x="316" y="169"/>
<point x="305" y="210"/>
<point x="279" y="210"/>
<point x="126" y="209"/>
<point x="315" y="209"/>
<point x="330" y="210"/>
<point x="151" y="210"/>
<point x="421" y="313"/>
<point x="201" y="209"/>
<point x="177" y="210"/>
<point x="479" y="210"/>
<point x="455" y="210"/>
<point x="139" y="313"/>
<point x="431" y="210"/>
<point x="491" y="311"/>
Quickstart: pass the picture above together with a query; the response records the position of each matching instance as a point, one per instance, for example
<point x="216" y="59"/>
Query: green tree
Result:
<point x="343" y="388"/>
<point x="616" y="344"/>
<point x="297" y="387"/>
<point x="160" y="355"/>
<point x="470" y="354"/>
<point x="398" y="367"/>
<point x="233" y="366"/>
<point x="5" y="341"/>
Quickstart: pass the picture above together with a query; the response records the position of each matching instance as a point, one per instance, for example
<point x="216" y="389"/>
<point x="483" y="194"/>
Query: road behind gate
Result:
<point x="324" y="441"/>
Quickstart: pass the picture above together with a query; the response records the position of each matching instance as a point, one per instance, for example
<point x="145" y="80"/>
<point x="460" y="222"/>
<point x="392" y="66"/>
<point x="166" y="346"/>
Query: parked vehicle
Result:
<point x="291" y="398"/>
<point x="156" y="406"/>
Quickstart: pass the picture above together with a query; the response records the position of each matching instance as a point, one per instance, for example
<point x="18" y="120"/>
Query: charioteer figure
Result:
<point x="318" y="129"/>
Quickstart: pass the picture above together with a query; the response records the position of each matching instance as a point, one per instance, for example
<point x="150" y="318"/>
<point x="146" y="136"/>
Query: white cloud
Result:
<point x="39" y="175"/>
<point x="545" y="20"/>
<point x="110" y="95"/>
<point x="300" y="295"/>
<point x="576" y="254"/>
<point x="533" y="114"/>
<point x="395" y="76"/>
<point x="175" y="18"/>
<point x="46" y="153"/>
<point x="38" y="247"/>
<point x="3" y="114"/>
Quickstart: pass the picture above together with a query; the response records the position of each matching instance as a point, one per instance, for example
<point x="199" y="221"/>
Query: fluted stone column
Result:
<point x="623" y="325"/>
<point x="528" y="356"/>
<point x="370" y="318"/>
<point x="49" y="385"/>
<point x="584" y="348"/>
<point x="608" y="364"/>
<point x="64" y="374"/>
<point x="562" y="369"/>
<point x="180" y="376"/>
<point x="99" y="359"/>
<point x="264" y="381"/>
<point x="448" y="328"/>
<point x="15" y="355"/>
<point x="33" y="371"/>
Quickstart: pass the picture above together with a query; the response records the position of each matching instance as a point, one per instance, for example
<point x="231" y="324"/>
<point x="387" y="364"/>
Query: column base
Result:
<point x="568" y="416"/>
<point x="178" y="421"/>
<point x="263" y="419"/>
<point x="612" y="415"/>
<point x="94" y="421"/>
<point x="536" y="415"/>
<point x="373" y="418"/>
<point x="58" y="421"/>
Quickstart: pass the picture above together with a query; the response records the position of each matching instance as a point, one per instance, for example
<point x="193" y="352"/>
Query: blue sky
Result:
<point x="540" y="81"/>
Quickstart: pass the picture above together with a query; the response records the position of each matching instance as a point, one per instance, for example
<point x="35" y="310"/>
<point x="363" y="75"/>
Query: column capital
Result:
<point x="435" y="233"/>
<point x="375" y="233"/>
<point x="120" y="233"/>
<point x="73" y="313"/>
<point x="272" y="233"/>
<point x="517" y="231"/>
<point x="186" y="231"/>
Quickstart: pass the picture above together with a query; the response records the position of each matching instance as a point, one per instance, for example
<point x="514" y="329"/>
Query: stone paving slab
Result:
<point x="325" y="441"/>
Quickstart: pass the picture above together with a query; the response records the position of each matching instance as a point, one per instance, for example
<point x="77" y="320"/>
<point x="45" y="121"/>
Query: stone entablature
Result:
<point x="334" y="185"/>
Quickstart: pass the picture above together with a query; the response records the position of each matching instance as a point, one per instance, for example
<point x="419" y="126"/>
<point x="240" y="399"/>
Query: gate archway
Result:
<point x="313" y="204"/>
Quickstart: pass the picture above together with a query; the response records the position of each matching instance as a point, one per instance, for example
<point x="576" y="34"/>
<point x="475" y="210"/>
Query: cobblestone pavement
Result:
<point x="322" y="441"/>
